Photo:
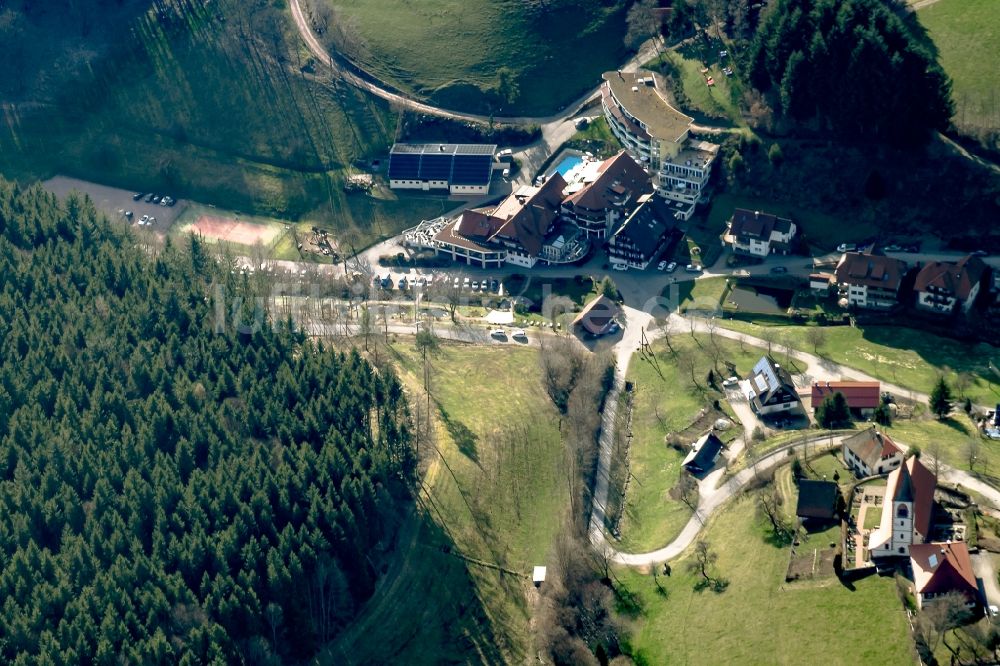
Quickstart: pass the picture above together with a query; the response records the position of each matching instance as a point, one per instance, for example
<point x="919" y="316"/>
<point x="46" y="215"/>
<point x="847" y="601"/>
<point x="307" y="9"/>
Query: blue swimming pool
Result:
<point x="568" y="163"/>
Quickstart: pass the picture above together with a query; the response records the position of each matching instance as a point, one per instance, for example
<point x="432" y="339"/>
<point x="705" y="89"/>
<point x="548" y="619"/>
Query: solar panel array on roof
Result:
<point x="404" y="166"/>
<point x="471" y="169"/>
<point x="458" y="164"/>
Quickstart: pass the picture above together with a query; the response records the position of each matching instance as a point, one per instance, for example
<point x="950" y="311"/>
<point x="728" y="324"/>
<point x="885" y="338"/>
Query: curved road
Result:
<point x="711" y="495"/>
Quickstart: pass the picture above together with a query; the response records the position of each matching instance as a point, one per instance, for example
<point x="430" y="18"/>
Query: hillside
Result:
<point x="965" y="32"/>
<point x="175" y="488"/>
<point x="508" y="57"/>
<point x="209" y="100"/>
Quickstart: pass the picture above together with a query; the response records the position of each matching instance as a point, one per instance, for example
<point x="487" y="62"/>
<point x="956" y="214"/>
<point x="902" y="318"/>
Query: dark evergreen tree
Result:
<point x="170" y="492"/>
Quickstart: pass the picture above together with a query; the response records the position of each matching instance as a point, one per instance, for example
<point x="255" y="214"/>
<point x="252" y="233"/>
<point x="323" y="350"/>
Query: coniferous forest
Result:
<point x="171" y="492"/>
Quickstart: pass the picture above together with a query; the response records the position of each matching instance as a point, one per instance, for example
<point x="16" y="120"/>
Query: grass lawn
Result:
<point x="704" y="294"/>
<point x="665" y="402"/>
<point x="953" y="434"/>
<point x="198" y="108"/>
<point x="597" y="138"/>
<point x="967" y="34"/>
<point x="760" y="619"/>
<point x="495" y="493"/>
<point x="820" y="229"/>
<point x="904" y="356"/>
<point x="450" y="51"/>
<point x="720" y="100"/>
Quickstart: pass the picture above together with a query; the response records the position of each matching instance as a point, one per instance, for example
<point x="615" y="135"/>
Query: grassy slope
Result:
<point x="503" y="512"/>
<point x="967" y="35"/>
<point x="902" y="356"/>
<point x="759" y="619"/>
<point x="214" y="114"/>
<point x="651" y="518"/>
<point x="450" y="50"/>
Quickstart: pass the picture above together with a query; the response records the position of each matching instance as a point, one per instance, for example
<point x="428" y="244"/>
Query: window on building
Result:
<point x="902" y="511"/>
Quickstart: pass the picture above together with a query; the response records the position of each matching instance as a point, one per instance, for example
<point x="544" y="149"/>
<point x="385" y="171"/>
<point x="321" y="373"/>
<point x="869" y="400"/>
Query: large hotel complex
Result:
<point x="630" y="203"/>
<point x="658" y="136"/>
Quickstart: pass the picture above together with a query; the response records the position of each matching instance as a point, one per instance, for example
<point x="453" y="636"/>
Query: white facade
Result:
<point x="427" y="185"/>
<point x="894" y="537"/>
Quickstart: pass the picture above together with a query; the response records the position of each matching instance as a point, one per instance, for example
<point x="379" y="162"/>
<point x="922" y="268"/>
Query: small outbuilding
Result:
<point x="817" y="500"/>
<point x="599" y="317"/>
<point x="703" y="454"/>
<point x="862" y="397"/>
<point x="538" y="576"/>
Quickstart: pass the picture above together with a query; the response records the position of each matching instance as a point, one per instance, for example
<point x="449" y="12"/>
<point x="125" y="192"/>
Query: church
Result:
<point x="906" y="511"/>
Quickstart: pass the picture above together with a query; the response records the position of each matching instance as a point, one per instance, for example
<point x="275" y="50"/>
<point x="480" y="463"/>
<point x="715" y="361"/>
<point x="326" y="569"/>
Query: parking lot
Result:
<point x="110" y="200"/>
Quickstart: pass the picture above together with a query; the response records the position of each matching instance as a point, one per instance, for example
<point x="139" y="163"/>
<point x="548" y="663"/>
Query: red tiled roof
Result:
<point x="872" y="446"/>
<point x="943" y="567"/>
<point x="617" y="175"/>
<point x="871" y="270"/>
<point x="957" y="278"/>
<point x="859" y="395"/>
<point x="912" y="482"/>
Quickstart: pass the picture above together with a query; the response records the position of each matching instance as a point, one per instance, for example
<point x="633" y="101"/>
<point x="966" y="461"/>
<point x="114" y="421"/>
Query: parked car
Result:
<point x="152" y="220"/>
<point x="149" y="197"/>
<point x="619" y="267"/>
<point x="730" y="382"/>
<point x="519" y="334"/>
<point x="693" y="268"/>
<point x="672" y="266"/>
<point x="979" y="253"/>
<point x="138" y="195"/>
<point x="779" y="270"/>
<point x="144" y="220"/>
<point x="892" y="248"/>
<point x="847" y="247"/>
<point x="128" y="214"/>
<point x="167" y="201"/>
<point x="498" y="333"/>
<point x="505" y="154"/>
<point x="475" y="285"/>
<point x="662" y="265"/>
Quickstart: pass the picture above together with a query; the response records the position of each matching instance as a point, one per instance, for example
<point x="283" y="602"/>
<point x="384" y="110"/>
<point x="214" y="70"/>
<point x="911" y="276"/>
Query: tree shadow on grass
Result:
<point x="463" y="437"/>
<point x="445" y="607"/>
<point x="717" y="585"/>
<point x="956" y="425"/>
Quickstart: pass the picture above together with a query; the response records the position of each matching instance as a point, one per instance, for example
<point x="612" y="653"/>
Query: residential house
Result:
<point x="862" y="397"/>
<point x="523" y="229"/>
<point x="942" y="285"/>
<point x="907" y="509"/>
<point x="940" y="568"/>
<point x="643" y="235"/>
<point x="821" y="282"/>
<point x="458" y="168"/>
<point x="869" y="280"/>
<point x="703" y="454"/>
<point x="771" y="389"/>
<point x="605" y="194"/>
<point x="758" y="234"/>
<point x="817" y="500"/>
<point x="658" y="136"/>
<point x="599" y="317"/>
<point x="871" y="452"/>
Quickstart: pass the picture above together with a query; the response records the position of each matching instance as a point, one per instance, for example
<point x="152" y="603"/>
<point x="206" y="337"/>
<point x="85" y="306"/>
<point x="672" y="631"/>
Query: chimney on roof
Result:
<point x="441" y="148"/>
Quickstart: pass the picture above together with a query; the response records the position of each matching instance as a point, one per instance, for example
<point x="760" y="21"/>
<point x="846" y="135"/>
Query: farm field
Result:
<point x="766" y="620"/>
<point x="496" y="493"/>
<point x="967" y="35"/>
<point x="452" y="52"/>
<point x="903" y="356"/>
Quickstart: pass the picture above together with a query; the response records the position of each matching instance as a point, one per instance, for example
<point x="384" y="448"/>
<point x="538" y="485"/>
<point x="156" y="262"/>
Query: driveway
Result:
<point x="984" y="564"/>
